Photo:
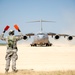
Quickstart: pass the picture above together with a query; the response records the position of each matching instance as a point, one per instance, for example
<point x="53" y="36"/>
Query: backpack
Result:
<point x="11" y="40"/>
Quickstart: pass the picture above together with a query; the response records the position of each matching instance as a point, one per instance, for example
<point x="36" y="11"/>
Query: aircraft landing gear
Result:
<point x="33" y="45"/>
<point x="48" y="44"/>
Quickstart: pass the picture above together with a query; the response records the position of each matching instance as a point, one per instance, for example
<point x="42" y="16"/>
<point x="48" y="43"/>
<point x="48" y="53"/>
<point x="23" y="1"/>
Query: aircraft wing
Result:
<point x="51" y="34"/>
<point x="63" y="35"/>
<point x="57" y="36"/>
<point x="30" y="34"/>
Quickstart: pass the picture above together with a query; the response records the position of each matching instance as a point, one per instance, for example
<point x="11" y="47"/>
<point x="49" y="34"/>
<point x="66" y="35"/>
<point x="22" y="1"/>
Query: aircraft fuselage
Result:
<point x="41" y="39"/>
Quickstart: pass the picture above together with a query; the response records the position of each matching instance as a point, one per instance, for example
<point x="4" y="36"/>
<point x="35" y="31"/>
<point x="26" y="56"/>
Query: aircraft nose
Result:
<point x="40" y="36"/>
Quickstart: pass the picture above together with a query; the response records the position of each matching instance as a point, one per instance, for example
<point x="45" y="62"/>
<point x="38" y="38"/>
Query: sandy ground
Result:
<point x="41" y="58"/>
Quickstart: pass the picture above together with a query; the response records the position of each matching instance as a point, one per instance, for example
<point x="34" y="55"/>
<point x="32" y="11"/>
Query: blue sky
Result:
<point x="22" y="11"/>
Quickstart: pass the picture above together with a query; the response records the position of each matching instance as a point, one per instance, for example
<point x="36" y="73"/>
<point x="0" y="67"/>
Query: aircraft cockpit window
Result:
<point x="40" y="34"/>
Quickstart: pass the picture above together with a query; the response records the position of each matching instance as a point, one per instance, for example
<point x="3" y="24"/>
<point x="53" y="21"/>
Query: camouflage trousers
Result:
<point x="11" y="55"/>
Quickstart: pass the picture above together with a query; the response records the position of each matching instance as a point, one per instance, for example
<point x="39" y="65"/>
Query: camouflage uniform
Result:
<point x="11" y="52"/>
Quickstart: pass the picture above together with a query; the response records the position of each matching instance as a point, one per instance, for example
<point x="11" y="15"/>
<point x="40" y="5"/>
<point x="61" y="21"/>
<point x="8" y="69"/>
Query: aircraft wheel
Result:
<point x="47" y="44"/>
<point x="31" y="45"/>
<point x="35" y="45"/>
<point x="50" y="44"/>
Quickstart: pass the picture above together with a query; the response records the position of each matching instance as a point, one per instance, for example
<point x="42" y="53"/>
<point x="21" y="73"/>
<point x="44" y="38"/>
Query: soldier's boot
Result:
<point x="15" y="70"/>
<point x="6" y="70"/>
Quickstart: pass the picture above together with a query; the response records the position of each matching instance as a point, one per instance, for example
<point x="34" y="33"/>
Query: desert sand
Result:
<point x="41" y="58"/>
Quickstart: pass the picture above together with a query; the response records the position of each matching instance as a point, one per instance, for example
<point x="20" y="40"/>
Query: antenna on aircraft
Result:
<point x="41" y="22"/>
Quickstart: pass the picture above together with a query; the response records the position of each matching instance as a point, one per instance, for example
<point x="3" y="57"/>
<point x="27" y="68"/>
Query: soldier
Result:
<point x="11" y="52"/>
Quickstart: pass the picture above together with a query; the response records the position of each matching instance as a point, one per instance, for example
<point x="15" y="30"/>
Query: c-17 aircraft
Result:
<point x="42" y="39"/>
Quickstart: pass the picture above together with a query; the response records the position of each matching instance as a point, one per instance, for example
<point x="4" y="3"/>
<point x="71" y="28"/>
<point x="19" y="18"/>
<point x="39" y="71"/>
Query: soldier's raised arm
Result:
<point x="20" y="36"/>
<point x="2" y="35"/>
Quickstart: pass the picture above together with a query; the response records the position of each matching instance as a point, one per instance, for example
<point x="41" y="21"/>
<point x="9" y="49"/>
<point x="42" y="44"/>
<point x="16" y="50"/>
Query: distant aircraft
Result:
<point x="42" y="39"/>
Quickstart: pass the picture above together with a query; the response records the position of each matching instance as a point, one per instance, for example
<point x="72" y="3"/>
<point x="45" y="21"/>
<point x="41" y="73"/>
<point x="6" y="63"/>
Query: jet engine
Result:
<point x="70" y="38"/>
<point x="57" y="37"/>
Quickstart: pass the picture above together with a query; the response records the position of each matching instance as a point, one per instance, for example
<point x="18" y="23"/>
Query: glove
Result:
<point x="24" y="37"/>
<point x="6" y="28"/>
<point x="17" y="28"/>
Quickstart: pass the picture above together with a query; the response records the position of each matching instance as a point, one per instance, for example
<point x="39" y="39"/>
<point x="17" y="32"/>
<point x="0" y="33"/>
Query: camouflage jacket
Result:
<point x="17" y="38"/>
